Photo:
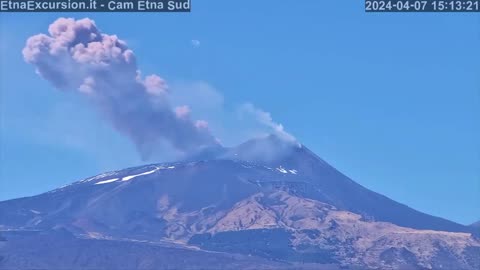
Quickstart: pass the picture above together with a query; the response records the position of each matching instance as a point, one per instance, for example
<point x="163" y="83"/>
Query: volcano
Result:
<point x="268" y="203"/>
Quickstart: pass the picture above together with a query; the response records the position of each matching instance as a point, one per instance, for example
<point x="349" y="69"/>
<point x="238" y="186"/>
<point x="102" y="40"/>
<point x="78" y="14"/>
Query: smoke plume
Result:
<point x="77" y="56"/>
<point x="266" y="120"/>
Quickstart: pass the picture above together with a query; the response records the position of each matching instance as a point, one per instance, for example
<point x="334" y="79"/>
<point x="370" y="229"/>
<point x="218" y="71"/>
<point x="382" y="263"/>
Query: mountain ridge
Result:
<point x="285" y="150"/>
<point x="306" y="210"/>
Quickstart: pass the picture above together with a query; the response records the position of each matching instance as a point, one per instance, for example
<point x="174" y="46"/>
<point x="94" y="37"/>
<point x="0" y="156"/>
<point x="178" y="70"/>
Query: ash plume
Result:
<point x="77" y="56"/>
<point x="265" y="119"/>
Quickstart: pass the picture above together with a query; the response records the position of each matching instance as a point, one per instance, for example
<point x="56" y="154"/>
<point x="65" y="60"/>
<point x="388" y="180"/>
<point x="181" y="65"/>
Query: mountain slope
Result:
<point x="54" y="250"/>
<point x="318" y="232"/>
<point x="283" y="203"/>
<point x="333" y="186"/>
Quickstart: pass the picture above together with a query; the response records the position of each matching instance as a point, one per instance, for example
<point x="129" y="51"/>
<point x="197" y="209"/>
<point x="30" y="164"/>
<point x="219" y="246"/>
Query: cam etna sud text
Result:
<point x="148" y="5"/>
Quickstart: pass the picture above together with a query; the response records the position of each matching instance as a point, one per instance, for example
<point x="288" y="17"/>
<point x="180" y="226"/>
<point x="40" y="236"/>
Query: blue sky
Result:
<point x="391" y="100"/>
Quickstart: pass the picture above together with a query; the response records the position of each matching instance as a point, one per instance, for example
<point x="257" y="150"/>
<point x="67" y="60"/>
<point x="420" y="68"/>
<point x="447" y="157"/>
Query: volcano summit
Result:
<point x="265" y="204"/>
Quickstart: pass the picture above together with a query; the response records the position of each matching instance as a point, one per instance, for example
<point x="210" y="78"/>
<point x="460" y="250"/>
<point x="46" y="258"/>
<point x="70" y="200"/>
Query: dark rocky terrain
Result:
<point x="266" y="204"/>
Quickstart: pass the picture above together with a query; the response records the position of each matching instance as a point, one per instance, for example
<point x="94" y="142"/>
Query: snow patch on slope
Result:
<point x="107" y="181"/>
<point x="98" y="177"/>
<point x="286" y="171"/>
<point x="126" y="178"/>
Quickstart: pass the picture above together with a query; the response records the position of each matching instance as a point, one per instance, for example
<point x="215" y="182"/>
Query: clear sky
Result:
<point x="391" y="100"/>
